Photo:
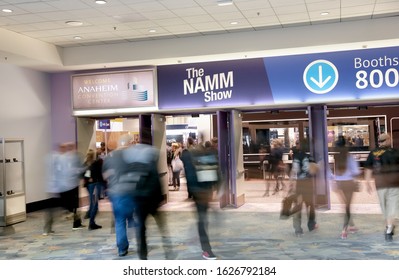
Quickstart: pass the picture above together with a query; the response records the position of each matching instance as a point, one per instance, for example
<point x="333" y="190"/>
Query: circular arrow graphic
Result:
<point x="320" y="76"/>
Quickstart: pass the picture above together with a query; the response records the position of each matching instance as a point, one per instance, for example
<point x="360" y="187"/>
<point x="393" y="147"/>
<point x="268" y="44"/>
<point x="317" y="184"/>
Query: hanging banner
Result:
<point x="335" y="77"/>
<point x="214" y="84"/>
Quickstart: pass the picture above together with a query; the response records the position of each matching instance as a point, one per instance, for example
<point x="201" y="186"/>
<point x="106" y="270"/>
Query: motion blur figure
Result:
<point x="201" y="169"/>
<point x="277" y="169"/>
<point x="383" y="164"/>
<point x="71" y="173"/>
<point x="148" y="197"/>
<point x="120" y="191"/>
<point x="303" y="170"/>
<point x="134" y="188"/>
<point x="65" y="170"/>
<point x="346" y="171"/>
<point x="53" y="168"/>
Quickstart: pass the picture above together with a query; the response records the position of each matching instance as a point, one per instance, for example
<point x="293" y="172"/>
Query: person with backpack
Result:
<point x="383" y="164"/>
<point x="303" y="170"/>
<point x="201" y="169"/>
<point x="134" y="188"/>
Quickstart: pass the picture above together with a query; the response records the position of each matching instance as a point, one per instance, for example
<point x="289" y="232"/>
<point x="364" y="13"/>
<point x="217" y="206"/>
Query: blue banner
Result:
<point x="358" y="75"/>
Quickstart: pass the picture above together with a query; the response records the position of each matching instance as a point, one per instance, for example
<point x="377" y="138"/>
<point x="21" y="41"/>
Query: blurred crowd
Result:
<point x="130" y="179"/>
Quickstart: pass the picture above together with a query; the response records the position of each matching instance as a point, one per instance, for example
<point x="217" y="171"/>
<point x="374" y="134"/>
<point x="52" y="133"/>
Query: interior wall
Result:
<point x="25" y="113"/>
<point x="63" y="123"/>
<point x="203" y="123"/>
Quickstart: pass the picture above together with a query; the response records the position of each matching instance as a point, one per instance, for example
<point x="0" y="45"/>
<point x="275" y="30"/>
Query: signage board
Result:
<point x="331" y="77"/>
<point x="130" y="89"/>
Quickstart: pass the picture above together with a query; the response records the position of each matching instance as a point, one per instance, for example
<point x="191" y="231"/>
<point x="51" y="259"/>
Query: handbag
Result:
<point x="286" y="206"/>
<point x="177" y="164"/>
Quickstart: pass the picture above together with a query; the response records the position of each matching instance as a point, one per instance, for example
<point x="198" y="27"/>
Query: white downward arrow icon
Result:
<point x="320" y="83"/>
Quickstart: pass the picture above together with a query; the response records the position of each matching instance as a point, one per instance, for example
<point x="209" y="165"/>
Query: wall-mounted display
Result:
<point x="12" y="182"/>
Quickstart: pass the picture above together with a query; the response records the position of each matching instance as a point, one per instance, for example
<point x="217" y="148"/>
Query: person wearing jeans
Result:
<point x="94" y="190"/>
<point x="93" y="179"/>
<point x="120" y="192"/>
<point x="123" y="209"/>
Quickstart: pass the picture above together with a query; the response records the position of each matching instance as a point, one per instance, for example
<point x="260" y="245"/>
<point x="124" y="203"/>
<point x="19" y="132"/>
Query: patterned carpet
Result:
<point x="234" y="235"/>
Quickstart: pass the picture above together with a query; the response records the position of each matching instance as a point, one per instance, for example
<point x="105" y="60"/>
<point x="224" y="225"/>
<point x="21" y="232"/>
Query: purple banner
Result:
<point x="213" y="84"/>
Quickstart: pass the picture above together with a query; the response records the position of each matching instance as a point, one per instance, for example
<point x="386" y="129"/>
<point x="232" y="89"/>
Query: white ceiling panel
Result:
<point x="41" y="19"/>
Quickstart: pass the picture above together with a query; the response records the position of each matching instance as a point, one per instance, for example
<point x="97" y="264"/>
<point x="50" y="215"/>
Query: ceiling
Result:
<point x="138" y="20"/>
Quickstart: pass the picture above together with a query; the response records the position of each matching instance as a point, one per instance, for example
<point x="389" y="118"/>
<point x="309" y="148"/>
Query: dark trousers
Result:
<point x="70" y="201"/>
<point x="176" y="179"/>
<point x="201" y="200"/>
<point x="305" y="194"/>
<point x="144" y="208"/>
<point x="94" y="190"/>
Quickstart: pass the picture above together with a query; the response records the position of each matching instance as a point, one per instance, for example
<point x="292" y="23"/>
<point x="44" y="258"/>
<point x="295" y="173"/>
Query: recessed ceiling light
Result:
<point x="74" y="23"/>
<point x="7" y="10"/>
<point x="324" y="13"/>
<point x="77" y="38"/>
<point x="152" y="31"/>
<point x="101" y="2"/>
<point x="225" y="2"/>
<point x="234" y="22"/>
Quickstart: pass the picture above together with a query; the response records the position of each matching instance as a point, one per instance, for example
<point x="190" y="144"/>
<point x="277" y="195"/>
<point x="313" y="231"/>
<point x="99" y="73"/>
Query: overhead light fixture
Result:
<point x="74" y="23"/>
<point x="324" y="13"/>
<point x="101" y="2"/>
<point x="152" y="31"/>
<point x="234" y="22"/>
<point x="225" y="2"/>
<point x="6" y="10"/>
<point x="77" y="38"/>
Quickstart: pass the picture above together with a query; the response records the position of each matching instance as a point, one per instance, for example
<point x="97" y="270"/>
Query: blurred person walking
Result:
<point x="65" y="170"/>
<point x="120" y="191"/>
<point x="383" y="164"/>
<point x="71" y="173"/>
<point x="53" y="169"/>
<point x="201" y="169"/>
<point x="277" y="167"/>
<point x="143" y="158"/>
<point x="93" y="181"/>
<point x="303" y="170"/>
<point x="346" y="171"/>
<point x="134" y="189"/>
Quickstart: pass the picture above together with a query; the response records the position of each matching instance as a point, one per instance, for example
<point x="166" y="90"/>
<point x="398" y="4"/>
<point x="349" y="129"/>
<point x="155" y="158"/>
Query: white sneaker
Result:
<point x="208" y="255"/>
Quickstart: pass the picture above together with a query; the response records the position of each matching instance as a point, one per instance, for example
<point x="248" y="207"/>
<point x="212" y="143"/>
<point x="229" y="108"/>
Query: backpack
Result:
<point x="305" y="166"/>
<point x="207" y="166"/>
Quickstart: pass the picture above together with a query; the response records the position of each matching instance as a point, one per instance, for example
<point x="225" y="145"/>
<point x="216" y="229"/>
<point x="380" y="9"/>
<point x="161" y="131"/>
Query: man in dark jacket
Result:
<point x="383" y="164"/>
<point x="303" y="171"/>
<point x="198" y="164"/>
